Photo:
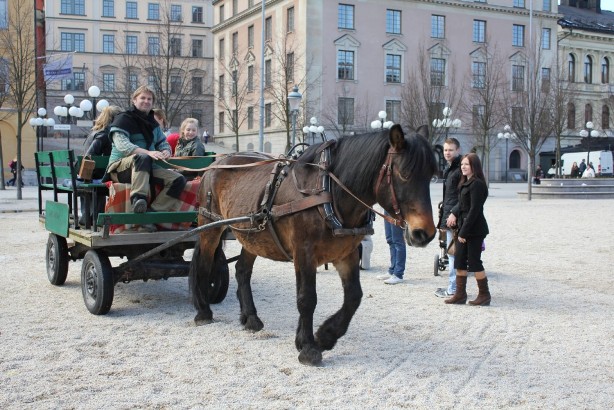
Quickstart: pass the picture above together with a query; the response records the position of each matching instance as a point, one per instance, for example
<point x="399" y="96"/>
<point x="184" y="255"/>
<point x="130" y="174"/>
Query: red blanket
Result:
<point x="119" y="201"/>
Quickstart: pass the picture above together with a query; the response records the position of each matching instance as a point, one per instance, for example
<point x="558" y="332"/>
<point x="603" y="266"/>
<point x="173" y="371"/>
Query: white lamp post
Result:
<point x="507" y="135"/>
<point x="589" y="132"/>
<point x="294" y="101"/>
<point x="314" y="129"/>
<point x="67" y="112"/>
<point x="446" y="122"/>
<point x="38" y="122"/>
<point x="381" y="123"/>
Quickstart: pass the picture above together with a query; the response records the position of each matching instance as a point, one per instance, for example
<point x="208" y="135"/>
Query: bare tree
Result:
<point x="427" y="92"/>
<point x="344" y="113"/>
<point x="484" y="102"/>
<point x="19" y="47"/>
<point x="560" y="95"/>
<point x="530" y="116"/>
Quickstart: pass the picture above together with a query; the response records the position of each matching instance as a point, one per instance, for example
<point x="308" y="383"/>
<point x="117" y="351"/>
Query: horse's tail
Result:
<point x="208" y="280"/>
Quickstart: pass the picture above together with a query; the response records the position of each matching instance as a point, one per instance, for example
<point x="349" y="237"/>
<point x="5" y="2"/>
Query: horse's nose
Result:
<point x="418" y="237"/>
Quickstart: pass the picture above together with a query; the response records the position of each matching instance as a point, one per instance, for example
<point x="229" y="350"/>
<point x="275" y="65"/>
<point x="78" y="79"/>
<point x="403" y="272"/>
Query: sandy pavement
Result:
<point x="545" y="342"/>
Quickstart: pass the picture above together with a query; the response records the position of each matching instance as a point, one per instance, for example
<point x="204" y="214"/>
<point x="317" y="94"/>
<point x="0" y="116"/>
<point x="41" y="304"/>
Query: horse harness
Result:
<point x="321" y="197"/>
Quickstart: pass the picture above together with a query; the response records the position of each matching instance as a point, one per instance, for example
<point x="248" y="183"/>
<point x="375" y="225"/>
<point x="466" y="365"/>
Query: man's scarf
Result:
<point x="135" y="121"/>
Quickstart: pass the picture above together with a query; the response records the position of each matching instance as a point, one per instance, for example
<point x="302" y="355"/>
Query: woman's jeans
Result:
<point x="394" y="237"/>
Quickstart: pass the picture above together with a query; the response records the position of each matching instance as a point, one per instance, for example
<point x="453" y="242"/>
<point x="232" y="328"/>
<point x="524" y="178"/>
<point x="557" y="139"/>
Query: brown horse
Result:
<point x="386" y="167"/>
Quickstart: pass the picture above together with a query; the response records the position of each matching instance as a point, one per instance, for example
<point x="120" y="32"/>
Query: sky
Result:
<point x="607" y="5"/>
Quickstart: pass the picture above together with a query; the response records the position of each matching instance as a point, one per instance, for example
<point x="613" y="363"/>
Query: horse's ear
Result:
<point x="397" y="137"/>
<point x="423" y="130"/>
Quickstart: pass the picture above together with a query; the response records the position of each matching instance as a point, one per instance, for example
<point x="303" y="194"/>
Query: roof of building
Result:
<point x="586" y="19"/>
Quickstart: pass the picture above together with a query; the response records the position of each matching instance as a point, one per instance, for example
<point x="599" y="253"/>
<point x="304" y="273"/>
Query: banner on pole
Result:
<point x="58" y="68"/>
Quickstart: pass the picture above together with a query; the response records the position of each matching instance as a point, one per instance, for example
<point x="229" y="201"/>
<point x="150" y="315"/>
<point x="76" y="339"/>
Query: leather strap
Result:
<point x="301" y="204"/>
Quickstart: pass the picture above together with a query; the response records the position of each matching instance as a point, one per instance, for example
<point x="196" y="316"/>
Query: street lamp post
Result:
<point x="294" y="101"/>
<point x="381" y="123"/>
<point x="67" y="112"/>
<point x="507" y="135"/>
<point x="38" y="122"/>
<point x="589" y="132"/>
<point x="313" y="129"/>
<point x="446" y="122"/>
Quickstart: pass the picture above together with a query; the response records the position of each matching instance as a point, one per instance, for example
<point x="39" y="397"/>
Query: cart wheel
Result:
<point x="97" y="282"/>
<point x="57" y="259"/>
<point x="219" y="285"/>
<point x="436" y="266"/>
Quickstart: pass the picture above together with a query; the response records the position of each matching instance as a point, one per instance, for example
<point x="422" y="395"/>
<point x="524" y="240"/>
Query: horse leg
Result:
<point x="306" y="300"/>
<point x="249" y="317"/>
<point x="201" y="268"/>
<point x="335" y="326"/>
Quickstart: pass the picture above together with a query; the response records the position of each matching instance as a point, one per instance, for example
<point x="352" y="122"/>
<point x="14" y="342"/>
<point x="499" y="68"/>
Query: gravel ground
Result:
<point x="545" y="342"/>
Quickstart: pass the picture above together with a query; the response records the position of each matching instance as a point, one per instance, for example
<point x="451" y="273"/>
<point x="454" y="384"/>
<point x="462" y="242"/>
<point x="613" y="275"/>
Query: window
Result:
<point x="75" y="83"/>
<point x="152" y="82"/>
<point x="438" y="28"/>
<point x="250" y="3"/>
<point x="133" y="81"/>
<point x="518" y="35"/>
<point x="267" y="73"/>
<point x="345" y="16"/>
<point x="108" y="82"/>
<point x="250" y="36"/>
<point x="290" y="19"/>
<point x="605" y="70"/>
<point x="479" y="31"/>
<point x="547" y="5"/>
<point x="73" y="7"/>
<point x="221" y="122"/>
<point x="588" y="113"/>
<point x="546" y="38"/>
<point x="176" y="12"/>
<point x="478" y="116"/>
<point x="72" y="42"/>
<point x="268" y="29"/>
<point x="267" y="115"/>
<point x="221" y="85"/>
<point x="478" y="72"/>
<point x="517" y="78"/>
<point x="519" y="3"/>
<point x="222" y="18"/>
<point x="571" y="67"/>
<point x="517" y="118"/>
<point x="345" y="111"/>
<point x="108" y="43"/>
<point x="197" y="14"/>
<point x="545" y="77"/>
<point x="4" y="23"/>
<point x="131" y="44"/>
<point x="131" y="10"/>
<point x="345" y="65"/>
<point x="290" y="67"/>
<point x="588" y="70"/>
<point x="197" y="48"/>
<point x="235" y="43"/>
<point x="571" y="116"/>
<point x="393" y="21"/>
<point x="393" y="110"/>
<point x="250" y="118"/>
<point x="108" y="8"/>
<point x="393" y="68"/>
<point x="197" y="115"/>
<point x="175" y="50"/>
<point x="153" y="46"/>
<point x="605" y="117"/>
<point x="153" y="11"/>
<point x="176" y="84"/>
<point x="250" y="78"/>
<point x="438" y="72"/>
<point x="235" y="7"/>
<point x="221" y="51"/>
<point x="4" y="76"/>
<point x="235" y="79"/>
<point x="197" y="85"/>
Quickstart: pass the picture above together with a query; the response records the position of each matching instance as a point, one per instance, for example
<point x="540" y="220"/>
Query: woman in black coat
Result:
<point x="469" y="213"/>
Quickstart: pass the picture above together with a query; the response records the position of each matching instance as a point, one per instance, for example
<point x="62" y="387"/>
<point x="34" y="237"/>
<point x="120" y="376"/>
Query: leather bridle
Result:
<point x="386" y="170"/>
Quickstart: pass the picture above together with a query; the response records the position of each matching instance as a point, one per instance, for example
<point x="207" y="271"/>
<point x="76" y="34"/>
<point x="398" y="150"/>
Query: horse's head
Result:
<point x="404" y="190"/>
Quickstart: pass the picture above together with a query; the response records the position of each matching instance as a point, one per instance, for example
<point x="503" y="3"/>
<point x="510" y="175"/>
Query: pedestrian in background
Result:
<point x="396" y="244"/>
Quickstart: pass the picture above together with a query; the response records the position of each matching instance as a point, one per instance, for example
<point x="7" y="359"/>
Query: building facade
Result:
<point x="120" y="45"/>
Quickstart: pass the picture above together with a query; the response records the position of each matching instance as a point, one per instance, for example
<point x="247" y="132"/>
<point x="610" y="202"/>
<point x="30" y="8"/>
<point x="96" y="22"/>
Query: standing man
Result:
<point x="582" y="167"/>
<point x="138" y="141"/>
<point x="451" y="178"/>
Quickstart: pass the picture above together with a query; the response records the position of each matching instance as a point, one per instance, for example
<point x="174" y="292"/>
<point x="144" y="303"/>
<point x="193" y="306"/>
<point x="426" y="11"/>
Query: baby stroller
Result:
<point x="441" y="259"/>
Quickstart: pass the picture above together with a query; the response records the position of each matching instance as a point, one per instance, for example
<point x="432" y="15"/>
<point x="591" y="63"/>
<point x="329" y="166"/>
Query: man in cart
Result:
<point x="138" y="141"/>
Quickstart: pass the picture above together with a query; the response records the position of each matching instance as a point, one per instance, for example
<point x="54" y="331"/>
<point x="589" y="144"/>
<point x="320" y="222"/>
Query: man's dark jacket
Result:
<point x="451" y="178"/>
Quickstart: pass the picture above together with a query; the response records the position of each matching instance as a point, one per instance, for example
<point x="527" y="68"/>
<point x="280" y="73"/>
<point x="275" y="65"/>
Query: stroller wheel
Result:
<point x="436" y="266"/>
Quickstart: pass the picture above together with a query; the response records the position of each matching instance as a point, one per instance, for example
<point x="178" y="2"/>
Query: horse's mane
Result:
<point x="356" y="160"/>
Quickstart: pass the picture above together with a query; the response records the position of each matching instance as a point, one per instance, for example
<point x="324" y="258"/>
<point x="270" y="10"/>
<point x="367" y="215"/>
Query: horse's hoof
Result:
<point x="253" y="324"/>
<point x="310" y="356"/>
<point x="200" y="320"/>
